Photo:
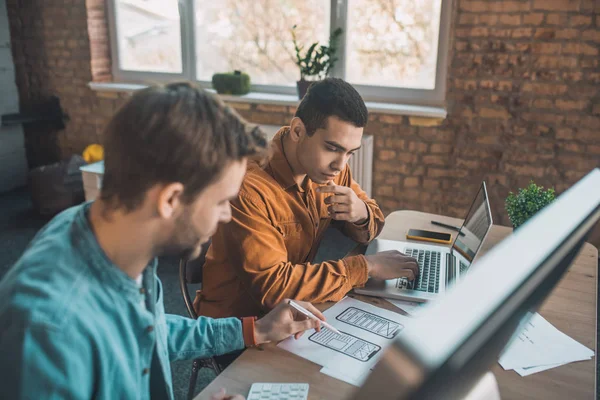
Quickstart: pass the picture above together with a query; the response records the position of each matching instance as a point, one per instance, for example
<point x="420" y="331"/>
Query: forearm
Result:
<point x="315" y="283"/>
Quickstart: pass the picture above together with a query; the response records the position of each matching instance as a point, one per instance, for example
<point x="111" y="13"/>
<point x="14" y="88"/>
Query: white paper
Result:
<point x="367" y="330"/>
<point x="533" y="370"/>
<point x="541" y="344"/>
<point x="411" y="307"/>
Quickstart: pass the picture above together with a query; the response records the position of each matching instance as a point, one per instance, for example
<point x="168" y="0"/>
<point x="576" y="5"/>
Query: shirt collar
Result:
<point x="97" y="259"/>
<point x="280" y="166"/>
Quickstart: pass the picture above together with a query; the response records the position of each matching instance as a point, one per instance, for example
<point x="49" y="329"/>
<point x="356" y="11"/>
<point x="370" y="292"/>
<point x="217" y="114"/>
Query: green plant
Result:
<point x="231" y="83"/>
<point x="527" y="202"/>
<point x="318" y="60"/>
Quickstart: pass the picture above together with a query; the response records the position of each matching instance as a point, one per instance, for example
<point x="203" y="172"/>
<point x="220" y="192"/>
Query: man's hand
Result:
<point x="392" y="264"/>
<point x="284" y="321"/>
<point x="222" y="395"/>
<point x="344" y="204"/>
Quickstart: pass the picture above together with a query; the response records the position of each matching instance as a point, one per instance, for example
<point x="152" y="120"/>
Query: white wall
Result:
<point x="13" y="164"/>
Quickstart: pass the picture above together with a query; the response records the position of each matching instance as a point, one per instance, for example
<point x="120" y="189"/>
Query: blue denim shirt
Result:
<point x="74" y="326"/>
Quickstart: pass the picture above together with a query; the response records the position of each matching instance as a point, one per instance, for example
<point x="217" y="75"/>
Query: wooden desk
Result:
<point x="571" y="307"/>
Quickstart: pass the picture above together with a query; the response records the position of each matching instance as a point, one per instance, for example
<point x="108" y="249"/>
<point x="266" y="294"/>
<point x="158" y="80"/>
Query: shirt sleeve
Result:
<point x="258" y="254"/>
<point x="203" y="337"/>
<point x="369" y="229"/>
<point x="38" y="361"/>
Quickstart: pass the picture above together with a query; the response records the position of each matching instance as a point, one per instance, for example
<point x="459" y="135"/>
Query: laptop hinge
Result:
<point x="450" y="269"/>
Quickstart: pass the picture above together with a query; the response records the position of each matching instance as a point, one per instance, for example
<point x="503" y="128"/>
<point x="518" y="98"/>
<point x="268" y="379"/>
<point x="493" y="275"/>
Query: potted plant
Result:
<point x="527" y="202"/>
<point x="316" y="62"/>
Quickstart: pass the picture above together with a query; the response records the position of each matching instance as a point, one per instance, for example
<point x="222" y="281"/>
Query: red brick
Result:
<point x="580" y="20"/>
<point x="440" y="148"/>
<point x="510" y="19"/>
<point x="384" y="190"/>
<point x="580" y="49"/>
<point x="573" y="147"/>
<point x="546" y="48"/>
<point x="494" y="113"/>
<point x="488" y="139"/>
<point x="391" y="119"/>
<point x="468" y="19"/>
<point x="556" y="5"/>
<point x="522" y="33"/>
<point x="565" y="133"/>
<point x="385" y="155"/>
<point x="524" y="170"/>
<point x="571" y="104"/>
<point x="418" y="147"/>
<point x="488" y="6"/>
<point x="591" y="34"/>
<point x="434" y="160"/>
<point x="593" y="149"/>
<point x="595" y="110"/>
<point x="543" y="103"/>
<point x="588" y="136"/>
<point x="567" y="33"/>
<point x="433" y="183"/>
<point x="533" y="19"/>
<point x="411" y="182"/>
<point x="556" y="19"/>
<point x="542" y="117"/>
<point x="545" y="88"/>
<point x="488" y="19"/>
<point x="545" y="33"/>
<point x="554" y="62"/>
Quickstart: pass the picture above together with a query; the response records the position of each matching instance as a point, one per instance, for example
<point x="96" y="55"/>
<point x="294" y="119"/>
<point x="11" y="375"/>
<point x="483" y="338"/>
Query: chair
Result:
<point x="190" y="272"/>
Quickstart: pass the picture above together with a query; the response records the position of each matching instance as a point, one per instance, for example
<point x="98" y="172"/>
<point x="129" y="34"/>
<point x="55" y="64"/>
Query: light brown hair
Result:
<point x="172" y="133"/>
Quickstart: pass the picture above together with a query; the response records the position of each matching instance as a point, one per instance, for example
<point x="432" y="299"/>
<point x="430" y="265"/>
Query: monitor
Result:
<point x="447" y="350"/>
<point x="475" y="226"/>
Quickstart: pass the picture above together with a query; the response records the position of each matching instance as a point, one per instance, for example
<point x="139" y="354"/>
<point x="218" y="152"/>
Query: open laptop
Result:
<point x="439" y="266"/>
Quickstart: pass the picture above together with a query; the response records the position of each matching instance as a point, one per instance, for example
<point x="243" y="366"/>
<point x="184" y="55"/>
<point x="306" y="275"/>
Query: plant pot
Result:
<point x="302" y="85"/>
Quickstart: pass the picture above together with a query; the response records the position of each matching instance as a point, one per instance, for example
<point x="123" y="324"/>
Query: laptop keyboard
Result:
<point x="429" y="270"/>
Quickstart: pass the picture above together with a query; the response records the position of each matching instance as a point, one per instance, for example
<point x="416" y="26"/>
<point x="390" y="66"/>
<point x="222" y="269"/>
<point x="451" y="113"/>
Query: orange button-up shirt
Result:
<point x="264" y="254"/>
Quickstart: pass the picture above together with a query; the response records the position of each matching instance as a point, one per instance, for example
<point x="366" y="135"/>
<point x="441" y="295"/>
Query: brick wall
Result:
<point x="523" y="99"/>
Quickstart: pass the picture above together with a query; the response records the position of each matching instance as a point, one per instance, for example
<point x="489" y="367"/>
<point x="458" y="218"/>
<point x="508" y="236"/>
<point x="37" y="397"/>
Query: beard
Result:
<point x="186" y="241"/>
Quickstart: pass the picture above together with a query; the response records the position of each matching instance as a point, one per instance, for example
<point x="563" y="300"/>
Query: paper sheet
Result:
<point x="367" y="330"/>
<point x="541" y="346"/>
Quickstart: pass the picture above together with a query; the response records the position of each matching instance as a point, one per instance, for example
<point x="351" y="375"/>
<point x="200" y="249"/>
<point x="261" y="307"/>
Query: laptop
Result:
<point x="439" y="266"/>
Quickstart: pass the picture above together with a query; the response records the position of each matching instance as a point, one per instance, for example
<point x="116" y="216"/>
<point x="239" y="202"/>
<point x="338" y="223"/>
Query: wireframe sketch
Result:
<point x="346" y="344"/>
<point x="370" y="322"/>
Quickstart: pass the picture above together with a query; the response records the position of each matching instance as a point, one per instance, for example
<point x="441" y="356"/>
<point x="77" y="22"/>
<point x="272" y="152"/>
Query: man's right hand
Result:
<point x="392" y="264"/>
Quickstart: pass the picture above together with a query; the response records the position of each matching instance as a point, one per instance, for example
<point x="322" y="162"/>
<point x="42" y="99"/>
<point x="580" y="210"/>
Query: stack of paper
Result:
<point x="540" y="346"/>
<point x="366" y="331"/>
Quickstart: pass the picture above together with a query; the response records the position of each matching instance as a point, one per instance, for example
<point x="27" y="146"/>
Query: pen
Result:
<point x="454" y="228"/>
<point x="311" y="315"/>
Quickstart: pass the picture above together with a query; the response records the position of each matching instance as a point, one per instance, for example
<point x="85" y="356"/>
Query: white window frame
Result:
<point x="339" y="12"/>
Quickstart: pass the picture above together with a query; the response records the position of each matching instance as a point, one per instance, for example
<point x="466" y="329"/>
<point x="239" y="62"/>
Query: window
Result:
<point x="391" y="50"/>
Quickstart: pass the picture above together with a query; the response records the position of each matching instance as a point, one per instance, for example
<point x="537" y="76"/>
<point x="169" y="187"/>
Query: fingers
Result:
<point x="337" y="199"/>
<point x="312" y="309"/>
<point x="335" y="189"/>
<point x="220" y="395"/>
<point x="408" y="274"/>
<point x="301" y="326"/>
<point x="341" y="216"/>
<point x="339" y="208"/>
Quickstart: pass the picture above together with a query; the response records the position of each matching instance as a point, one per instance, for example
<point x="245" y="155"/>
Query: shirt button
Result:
<point x="145" y="371"/>
<point x="149" y="328"/>
<point x="142" y="290"/>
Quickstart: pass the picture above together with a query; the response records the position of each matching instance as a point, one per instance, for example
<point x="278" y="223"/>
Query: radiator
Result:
<point x="361" y="165"/>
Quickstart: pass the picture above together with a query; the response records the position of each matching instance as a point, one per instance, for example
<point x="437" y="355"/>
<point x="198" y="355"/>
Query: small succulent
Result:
<point x="527" y="202"/>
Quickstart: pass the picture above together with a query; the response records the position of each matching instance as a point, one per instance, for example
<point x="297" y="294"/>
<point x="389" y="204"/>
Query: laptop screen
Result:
<point x="474" y="228"/>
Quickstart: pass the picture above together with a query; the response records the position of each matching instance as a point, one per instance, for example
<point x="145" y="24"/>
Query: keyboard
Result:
<point x="429" y="270"/>
<point x="278" y="391"/>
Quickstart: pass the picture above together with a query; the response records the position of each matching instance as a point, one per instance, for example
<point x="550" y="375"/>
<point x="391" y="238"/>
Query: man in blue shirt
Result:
<point x="81" y="313"/>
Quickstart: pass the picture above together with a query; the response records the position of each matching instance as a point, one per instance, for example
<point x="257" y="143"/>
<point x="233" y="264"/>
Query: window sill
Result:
<point x="289" y="100"/>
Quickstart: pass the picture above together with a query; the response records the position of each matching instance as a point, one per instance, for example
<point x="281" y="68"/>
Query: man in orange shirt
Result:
<point x="283" y="208"/>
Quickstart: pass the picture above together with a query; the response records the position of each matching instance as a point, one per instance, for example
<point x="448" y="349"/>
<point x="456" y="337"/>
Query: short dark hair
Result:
<point x="331" y="97"/>
<point x="172" y="133"/>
